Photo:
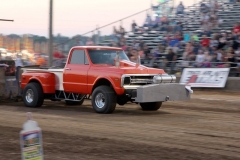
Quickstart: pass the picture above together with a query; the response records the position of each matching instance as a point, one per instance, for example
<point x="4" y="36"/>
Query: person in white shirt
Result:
<point x="18" y="61"/>
<point x="199" y="59"/>
<point x="135" y="44"/>
<point x="214" y="42"/>
<point x="219" y="55"/>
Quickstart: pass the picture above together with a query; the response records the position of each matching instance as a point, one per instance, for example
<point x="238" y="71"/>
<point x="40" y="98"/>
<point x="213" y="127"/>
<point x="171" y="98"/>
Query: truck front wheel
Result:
<point x="104" y="99"/>
<point x="151" y="106"/>
<point x="33" y="95"/>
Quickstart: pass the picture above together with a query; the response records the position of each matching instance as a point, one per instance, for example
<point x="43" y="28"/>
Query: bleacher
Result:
<point x="229" y="13"/>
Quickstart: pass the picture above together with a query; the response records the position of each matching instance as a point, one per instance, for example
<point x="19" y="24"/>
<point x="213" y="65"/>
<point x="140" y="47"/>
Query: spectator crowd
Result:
<point x="196" y="49"/>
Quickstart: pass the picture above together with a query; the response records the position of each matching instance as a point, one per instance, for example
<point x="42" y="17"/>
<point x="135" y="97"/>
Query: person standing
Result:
<point x="180" y="8"/>
<point x="148" y="21"/>
<point x="134" y="25"/>
<point x="18" y="62"/>
<point x="18" y="65"/>
<point x="170" y="60"/>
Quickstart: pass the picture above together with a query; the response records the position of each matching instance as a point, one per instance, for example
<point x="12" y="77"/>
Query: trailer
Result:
<point x="10" y="79"/>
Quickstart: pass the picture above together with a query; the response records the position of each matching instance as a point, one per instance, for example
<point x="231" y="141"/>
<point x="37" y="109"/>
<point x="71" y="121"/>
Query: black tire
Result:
<point x="122" y="100"/>
<point x="38" y="96"/>
<point x="109" y="98"/>
<point x="151" y="106"/>
<point x="74" y="102"/>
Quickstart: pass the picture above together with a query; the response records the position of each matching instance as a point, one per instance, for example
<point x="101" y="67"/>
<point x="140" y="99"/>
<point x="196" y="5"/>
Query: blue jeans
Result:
<point x="18" y="78"/>
<point x="171" y="65"/>
<point x="17" y="72"/>
<point x="180" y="12"/>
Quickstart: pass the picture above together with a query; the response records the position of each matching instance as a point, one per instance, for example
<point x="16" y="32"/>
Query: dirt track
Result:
<point x="207" y="127"/>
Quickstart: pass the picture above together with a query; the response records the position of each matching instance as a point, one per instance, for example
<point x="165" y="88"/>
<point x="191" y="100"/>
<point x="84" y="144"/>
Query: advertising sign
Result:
<point x="205" y="77"/>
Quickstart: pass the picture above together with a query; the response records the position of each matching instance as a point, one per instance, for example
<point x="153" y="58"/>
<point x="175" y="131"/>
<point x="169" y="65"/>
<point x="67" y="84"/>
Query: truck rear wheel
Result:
<point x="104" y="99"/>
<point x="151" y="106"/>
<point x="33" y="95"/>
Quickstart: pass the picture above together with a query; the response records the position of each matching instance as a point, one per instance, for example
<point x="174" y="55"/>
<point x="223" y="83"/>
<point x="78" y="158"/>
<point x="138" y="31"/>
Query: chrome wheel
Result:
<point x="100" y="100"/>
<point x="29" y="96"/>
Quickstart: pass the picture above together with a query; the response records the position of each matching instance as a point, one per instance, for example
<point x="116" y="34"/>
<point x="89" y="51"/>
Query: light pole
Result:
<point x="50" y="44"/>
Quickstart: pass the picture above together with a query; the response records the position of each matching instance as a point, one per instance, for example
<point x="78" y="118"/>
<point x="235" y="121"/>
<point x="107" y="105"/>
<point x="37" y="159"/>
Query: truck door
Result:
<point x="76" y="72"/>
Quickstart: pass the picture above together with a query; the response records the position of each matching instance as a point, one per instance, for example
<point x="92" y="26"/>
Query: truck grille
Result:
<point x="138" y="80"/>
<point x="131" y="81"/>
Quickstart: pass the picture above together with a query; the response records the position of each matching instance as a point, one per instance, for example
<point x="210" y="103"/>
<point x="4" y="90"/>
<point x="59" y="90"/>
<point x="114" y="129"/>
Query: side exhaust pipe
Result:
<point x="164" y="78"/>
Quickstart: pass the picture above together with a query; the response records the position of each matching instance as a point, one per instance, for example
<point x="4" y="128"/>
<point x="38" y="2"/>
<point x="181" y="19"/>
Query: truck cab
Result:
<point x="107" y="76"/>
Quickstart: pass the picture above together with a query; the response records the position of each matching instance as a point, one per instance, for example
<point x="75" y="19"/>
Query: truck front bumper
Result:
<point x="163" y="92"/>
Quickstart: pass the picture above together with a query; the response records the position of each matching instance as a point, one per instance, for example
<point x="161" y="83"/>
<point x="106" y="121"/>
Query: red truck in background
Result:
<point x="107" y="75"/>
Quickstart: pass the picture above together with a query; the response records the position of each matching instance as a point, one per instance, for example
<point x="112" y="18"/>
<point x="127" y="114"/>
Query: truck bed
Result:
<point x="58" y="75"/>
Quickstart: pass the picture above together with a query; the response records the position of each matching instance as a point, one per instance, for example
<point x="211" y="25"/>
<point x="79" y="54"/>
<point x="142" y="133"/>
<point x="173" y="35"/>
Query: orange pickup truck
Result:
<point x="107" y="76"/>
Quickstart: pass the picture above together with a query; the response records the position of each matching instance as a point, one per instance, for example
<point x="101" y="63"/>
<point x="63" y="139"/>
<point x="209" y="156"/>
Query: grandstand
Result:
<point x="229" y="13"/>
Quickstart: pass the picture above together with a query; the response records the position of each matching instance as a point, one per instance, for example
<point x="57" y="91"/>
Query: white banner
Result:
<point x="205" y="77"/>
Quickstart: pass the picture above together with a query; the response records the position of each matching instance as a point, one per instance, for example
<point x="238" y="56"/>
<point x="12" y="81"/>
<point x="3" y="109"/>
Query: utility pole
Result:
<point x="151" y="4"/>
<point x="50" y="45"/>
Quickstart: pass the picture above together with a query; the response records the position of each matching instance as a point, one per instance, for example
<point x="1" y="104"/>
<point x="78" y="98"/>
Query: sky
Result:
<point x="70" y="17"/>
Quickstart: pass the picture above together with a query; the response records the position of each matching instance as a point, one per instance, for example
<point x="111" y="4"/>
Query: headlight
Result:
<point x="164" y="78"/>
<point x="127" y="81"/>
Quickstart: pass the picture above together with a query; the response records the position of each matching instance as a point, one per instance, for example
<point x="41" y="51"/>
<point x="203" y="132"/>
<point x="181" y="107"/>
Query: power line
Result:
<point x="112" y="23"/>
<point x="6" y="20"/>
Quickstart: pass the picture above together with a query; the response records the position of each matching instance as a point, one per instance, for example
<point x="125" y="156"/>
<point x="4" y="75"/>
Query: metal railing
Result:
<point x="179" y="65"/>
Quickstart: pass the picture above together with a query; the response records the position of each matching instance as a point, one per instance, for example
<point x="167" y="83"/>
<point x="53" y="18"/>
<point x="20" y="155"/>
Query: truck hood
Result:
<point x="128" y="67"/>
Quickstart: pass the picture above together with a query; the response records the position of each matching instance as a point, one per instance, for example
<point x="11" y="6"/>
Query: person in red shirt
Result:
<point x="205" y="41"/>
<point x="179" y="36"/>
<point x="236" y="29"/>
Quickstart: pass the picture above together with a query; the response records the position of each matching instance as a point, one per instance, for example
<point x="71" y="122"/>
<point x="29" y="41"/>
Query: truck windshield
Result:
<point x="105" y="56"/>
